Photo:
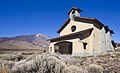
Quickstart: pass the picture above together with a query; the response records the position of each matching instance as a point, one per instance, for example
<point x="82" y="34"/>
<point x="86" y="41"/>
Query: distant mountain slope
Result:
<point x="37" y="41"/>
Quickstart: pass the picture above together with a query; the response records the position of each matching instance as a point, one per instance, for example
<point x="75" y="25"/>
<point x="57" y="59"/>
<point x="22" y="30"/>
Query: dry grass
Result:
<point x="4" y="70"/>
<point x="38" y="62"/>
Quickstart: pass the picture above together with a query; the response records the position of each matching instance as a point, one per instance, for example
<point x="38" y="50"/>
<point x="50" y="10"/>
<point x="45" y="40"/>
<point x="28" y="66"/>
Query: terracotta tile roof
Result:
<point x="74" y="8"/>
<point x="95" y="20"/>
<point x="113" y="43"/>
<point x="88" y="19"/>
<point x="117" y="44"/>
<point x="77" y="18"/>
<point x="72" y="35"/>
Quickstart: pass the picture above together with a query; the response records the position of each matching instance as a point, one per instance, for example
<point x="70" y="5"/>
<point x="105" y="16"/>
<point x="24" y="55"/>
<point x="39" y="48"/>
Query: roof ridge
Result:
<point x="85" y="17"/>
<point x="74" y="8"/>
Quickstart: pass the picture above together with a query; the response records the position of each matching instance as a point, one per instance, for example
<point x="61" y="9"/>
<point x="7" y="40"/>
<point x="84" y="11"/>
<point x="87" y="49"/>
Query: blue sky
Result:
<point x="26" y="17"/>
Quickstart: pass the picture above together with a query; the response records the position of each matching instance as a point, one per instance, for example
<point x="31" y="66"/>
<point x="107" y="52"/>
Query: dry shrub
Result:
<point x="8" y="57"/>
<point x="12" y="57"/>
<point x="44" y="64"/>
<point x="26" y="53"/>
<point x="74" y="69"/>
<point x="77" y="56"/>
<point x="93" y="68"/>
<point x="4" y="70"/>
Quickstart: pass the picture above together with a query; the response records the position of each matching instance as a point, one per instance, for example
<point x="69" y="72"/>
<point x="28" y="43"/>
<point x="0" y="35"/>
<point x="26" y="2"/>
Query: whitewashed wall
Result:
<point x="103" y="40"/>
<point x="108" y="41"/>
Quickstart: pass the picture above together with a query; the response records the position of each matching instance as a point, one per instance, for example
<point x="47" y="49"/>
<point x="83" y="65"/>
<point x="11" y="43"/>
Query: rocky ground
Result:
<point x="43" y="62"/>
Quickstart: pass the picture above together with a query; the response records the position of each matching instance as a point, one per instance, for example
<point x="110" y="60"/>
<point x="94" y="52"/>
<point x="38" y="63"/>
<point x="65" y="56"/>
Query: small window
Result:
<point x="84" y="45"/>
<point x="50" y="49"/>
<point x="73" y="28"/>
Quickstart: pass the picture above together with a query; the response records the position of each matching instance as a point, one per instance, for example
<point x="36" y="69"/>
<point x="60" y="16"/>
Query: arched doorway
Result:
<point x="64" y="47"/>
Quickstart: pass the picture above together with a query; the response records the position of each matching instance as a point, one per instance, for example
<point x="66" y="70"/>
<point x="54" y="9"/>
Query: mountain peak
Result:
<point x="37" y="35"/>
<point x="25" y="41"/>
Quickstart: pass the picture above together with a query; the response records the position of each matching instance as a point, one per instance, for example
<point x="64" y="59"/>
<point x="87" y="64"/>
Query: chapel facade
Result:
<point x="80" y="36"/>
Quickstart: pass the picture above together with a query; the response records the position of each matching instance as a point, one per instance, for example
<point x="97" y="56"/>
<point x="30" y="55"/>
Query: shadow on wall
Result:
<point x="64" y="47"/>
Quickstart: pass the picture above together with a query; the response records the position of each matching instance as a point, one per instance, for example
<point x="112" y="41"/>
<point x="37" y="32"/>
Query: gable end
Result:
<point x="86" y="20"/>
<point x="64" y="25"/>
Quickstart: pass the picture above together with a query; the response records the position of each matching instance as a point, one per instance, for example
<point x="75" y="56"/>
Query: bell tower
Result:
<point x="74" y="12"/>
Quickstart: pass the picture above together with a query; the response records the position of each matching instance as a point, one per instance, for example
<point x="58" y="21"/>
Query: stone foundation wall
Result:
<point x="85" y="54"/>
